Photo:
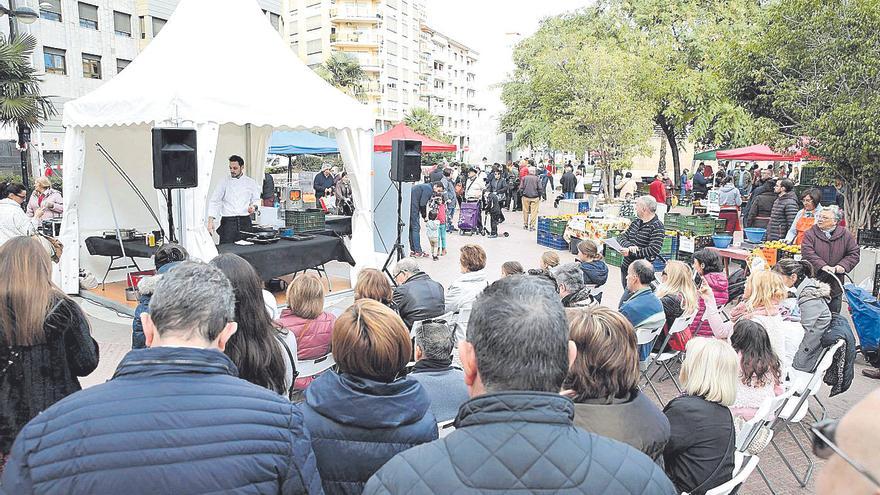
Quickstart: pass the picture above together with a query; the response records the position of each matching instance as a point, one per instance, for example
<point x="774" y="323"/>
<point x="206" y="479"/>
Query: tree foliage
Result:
<point x="813" y="68"/>
<point x="344" y="72"/>
<point x="20" y="98"/>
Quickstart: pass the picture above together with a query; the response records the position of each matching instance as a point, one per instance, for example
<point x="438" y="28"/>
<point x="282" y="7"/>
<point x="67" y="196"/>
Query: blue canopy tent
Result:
<point x="289" y="143"/>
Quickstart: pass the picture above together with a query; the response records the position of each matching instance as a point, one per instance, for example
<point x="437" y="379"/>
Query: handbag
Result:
<point x="53" y="246"/>
<point x="291" y="391"/>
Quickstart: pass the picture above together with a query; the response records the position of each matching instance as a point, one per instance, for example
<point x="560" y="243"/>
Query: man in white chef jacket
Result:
<point x="235" y="199"/>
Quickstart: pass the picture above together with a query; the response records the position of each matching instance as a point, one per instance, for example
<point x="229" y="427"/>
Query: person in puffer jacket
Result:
<point x="707" y="264"/>
<point x="785" y="209"/>
<point x="815" y="315"/>
<point x="306" y="319"/>
<point x="515" y="434"/>
<point x="175" y="418"/>
<point x="364" y="415"/>
<point x="166" y="258"/>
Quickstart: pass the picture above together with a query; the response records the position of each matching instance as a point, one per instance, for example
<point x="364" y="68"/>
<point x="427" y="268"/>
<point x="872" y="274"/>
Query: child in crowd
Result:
<point x="437" y="204"/>
<point x="549" y="260"/>
<point x="511" y="268"/>
<point x="432" y="227"/>
<point x="760" y="372"/>
<point x="592" y="264"/>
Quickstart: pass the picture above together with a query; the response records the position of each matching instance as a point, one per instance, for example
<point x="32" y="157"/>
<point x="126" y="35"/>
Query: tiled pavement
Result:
<point x="113" y="333"/>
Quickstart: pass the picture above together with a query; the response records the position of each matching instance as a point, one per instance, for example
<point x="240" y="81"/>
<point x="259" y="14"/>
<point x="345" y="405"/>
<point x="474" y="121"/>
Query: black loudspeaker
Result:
<point x="406" y="160"/>
<point x="174" y="159"/>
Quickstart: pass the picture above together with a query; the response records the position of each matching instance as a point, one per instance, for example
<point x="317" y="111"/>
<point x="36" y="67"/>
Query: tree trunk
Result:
<point x="661" y="167"/>
<point x="860" y="203"/>
<point x="669" y="132"/>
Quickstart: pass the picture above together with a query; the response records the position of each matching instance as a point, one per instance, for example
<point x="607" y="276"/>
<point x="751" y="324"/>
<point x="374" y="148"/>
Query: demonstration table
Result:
<point x="340" y="224"/>
<point x="269" y="260"/>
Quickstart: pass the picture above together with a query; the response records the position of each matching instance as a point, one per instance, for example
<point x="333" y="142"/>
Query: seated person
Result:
<point x="643" y="309"/>
<point x="416" y="296"/>
<point x="570" y="281"/>
<point x="594" y="267"/>
<point x="511" y="268"/>
<point x="305" y="318"/>
<point x="760" y="376"/>
<point x="373" y="284"/>
<point x="434" y="370"/>
<point x="603" y="382"/>
<point x="166" y="258"/>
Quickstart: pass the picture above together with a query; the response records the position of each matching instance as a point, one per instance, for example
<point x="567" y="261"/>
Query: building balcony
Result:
<point x="354" y="14"/>
<point x="338" y="40"/>
<point x="367" y="61"/>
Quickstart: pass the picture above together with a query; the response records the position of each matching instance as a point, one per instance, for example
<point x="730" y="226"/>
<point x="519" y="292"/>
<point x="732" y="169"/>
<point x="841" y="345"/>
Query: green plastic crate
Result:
<point x="612" y="257"/>
<point x="720" y="225"/>
<point x="305" y="221"/>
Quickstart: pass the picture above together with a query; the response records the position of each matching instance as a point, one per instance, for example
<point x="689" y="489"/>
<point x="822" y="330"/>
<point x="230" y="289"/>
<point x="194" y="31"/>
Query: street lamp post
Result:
<point x="27" y="16"/>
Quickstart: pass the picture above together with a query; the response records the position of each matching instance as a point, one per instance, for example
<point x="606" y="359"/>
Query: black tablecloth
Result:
<point x="270" y="260"/>
<point x="339" y="224"/>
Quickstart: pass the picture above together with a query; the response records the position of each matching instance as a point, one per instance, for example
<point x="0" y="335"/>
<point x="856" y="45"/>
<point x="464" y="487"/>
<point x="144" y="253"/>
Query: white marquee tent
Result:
<point x="217" y="66"/>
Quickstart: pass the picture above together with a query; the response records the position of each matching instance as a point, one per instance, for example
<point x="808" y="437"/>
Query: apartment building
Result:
<point x="382" y="35"/>
<point x="82" y="44"/>
<point x="448" y="85"/>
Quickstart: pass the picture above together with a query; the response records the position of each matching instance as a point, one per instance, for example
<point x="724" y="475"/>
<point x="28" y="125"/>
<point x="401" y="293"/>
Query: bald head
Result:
<point x="858" y="436"/>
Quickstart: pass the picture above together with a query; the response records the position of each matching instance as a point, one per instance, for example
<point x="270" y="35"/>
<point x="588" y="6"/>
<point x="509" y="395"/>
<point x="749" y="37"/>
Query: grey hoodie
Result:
<point x="812" y="298"/>
<point x="729" y="196"/>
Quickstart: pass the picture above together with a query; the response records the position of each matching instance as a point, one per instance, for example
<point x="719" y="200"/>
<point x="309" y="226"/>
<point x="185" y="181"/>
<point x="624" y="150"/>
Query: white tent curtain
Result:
<point x="257" y="144"/>
<point x="74" y="163"/>
<point x="356" y="148"/>
<point x="195" y="234"/>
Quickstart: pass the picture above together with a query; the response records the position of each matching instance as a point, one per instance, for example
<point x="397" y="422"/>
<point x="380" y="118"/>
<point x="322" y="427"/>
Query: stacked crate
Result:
<point x="550" y="232"/>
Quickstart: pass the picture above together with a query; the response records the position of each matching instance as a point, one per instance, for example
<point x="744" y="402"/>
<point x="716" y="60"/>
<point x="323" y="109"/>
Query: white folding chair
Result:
<point x="445" y="428"/>
<point x="797" y="406"/>
<point x="646" y="336"/>
<point x="313" y="367"/>
<point x="596" y="291"/>
<point x="664" y="357"/>
<point x="743" y="467"/>
<point x="763" y="418"/>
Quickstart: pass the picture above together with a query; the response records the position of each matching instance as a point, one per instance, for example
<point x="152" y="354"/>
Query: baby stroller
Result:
<point x="865" y="311"/>
<point x="491" y="204"/>
<point x="469" y="221"/>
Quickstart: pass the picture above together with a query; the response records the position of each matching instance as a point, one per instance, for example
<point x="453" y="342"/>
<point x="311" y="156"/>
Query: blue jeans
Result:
<point x="568" y="195"/>
<point x="443" y="236"/>
<point x="415" y="241"/>
<point x="450" y="212"/>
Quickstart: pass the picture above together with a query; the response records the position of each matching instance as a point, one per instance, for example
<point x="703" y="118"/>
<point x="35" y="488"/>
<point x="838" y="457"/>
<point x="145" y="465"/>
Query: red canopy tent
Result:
<point x="382" y="142"/>
<point x="758" y="152"/>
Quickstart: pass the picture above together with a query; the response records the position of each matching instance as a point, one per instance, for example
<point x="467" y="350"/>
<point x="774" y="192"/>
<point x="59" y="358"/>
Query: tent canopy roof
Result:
<point x="218" y="61"/>
<point x="758" y="152"/>
<point x="706" y="155"/>
<point x="301" y="143"/>
<point x="382" y="142"/>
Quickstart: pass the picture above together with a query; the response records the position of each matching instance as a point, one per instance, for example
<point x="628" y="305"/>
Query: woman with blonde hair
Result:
<point x="699" y="454"/>
<point x="45" y="202"/>
<point x="678" y="293"/>
<point x="368" y="412"/>
<point x="45" y="343"/>
<point x="306" y="320"/>
<point x="603" y="382"/>
<point x="373" y="284"/>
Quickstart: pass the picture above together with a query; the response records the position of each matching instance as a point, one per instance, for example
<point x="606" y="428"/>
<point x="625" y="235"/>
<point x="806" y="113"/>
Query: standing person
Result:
<point x="569" y="183"/>
<point x="832" y="250"/>
<point x="363" y="415"/>
<point x="729" y="199"/>
<point x="443" y="382"/>
<point x="515" y="363"/>
<point x="437" y="206"/>
<point x="344" y="195"/>
<point x="174" y="418"/>
<point x="721" y="174"/>
<point x="418" y="202"/>
<point x="46" y="203"/>
<point x="700" y="453"/>
<point x="13" y="221"/>
<point x="45" y="343"/>
<point x="684" y="184"/>
<point x="473" y="188"/>
<point x="233" y="202"/>
<point x="658" y="189"/>
<point x="603" y="382"/>
<point x="760" y="206"/>
<point x="670" y="189"/>
<point x="701" y="183"/>
<point x="805" y="218"/>
<point x="530" y="186"/>
<point x="323" y="182"/>
<point x="449" y="192"/>
<point x="268" y="192"/>
<point x="307" y="321"/>
<point x="627" y="187"/>
<point x="785" y="209"/>
<point x="643" y="239"/>
<point x="432" y="228"/>
<point x="580" y="188"/>
<point x="254" y="347"/>
<point x="742" y="179"/>
<point x="416" y="296"/>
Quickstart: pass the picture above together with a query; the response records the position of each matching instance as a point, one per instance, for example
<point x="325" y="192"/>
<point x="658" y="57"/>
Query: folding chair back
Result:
<point x="764" y="416"/>
<point x="803" y="389"/>
<point x="646" y="335"/>
<point x="743" y="468"/>
<point x="314" y="367"/>
<point x="596" y="291"/>
<point x="445" y="428"/>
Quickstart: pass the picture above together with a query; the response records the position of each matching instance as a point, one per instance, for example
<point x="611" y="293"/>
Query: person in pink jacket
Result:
<point x="45" y="203"/>
<point x="306" y="319"/>
<point x="707" y="264"/>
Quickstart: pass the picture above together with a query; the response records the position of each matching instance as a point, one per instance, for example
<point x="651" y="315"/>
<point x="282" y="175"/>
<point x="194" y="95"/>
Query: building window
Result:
<point x="404" y="28"/>
<point x="55" y="61"/>
<point x="122" y="24"/>
<point x="391" y="22"/>
<point x="314" y="4"/>
<point x="158" y="24"/>
<point x="313" y="47"/>
<point x="50" y="10"/>
<point x="142" y="24"/>
<point x="121" y="64"/>
<point x="391" y="47"/>
<point x="88" y="16"/>
<point x="313" y="23"/>
<point x="91" y="66"/>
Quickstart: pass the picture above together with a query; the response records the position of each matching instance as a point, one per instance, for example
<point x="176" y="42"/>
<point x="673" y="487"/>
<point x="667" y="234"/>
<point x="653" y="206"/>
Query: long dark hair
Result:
<point x="710" y="260"/>
<point x="750" y="339"/>
<point x="253" y="348"/>
<point x="7" y="188"/>
<point x="801" y="268"/>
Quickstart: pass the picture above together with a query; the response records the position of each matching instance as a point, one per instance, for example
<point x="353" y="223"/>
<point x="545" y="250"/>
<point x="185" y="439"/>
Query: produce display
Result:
<point x="774" y="251"/>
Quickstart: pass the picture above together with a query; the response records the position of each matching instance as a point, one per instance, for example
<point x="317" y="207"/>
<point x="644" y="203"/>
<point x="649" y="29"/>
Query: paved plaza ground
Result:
<point x="113" y="332"/>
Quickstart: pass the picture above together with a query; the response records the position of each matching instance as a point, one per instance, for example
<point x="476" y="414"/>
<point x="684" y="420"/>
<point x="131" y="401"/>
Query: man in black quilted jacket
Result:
<point x="515" y="434"/>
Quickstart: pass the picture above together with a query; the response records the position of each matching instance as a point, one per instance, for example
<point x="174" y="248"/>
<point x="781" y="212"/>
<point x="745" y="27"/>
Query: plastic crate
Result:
<point x="809" y="175"/>
<point x="670" y="245"/>
<point x="672" y="221"/>
<point x="869" y="237"/>
<point x="702" y="242"/>
<point x="612" y="257"/>
<point x="583" y="206"/>
<point x="720" y="225"/>
<point x="557" y="226"/>
<point x="552" y="241"/>
<point x="686" y="258"/>
<point x="311" y="220"/>
<point x="659" y="264"/>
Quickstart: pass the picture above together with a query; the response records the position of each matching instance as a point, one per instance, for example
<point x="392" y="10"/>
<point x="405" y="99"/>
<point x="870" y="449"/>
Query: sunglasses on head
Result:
<point x="824" y="447"/>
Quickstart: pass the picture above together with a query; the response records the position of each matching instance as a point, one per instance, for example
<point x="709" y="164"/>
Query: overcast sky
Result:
<point x="491" y="27"/>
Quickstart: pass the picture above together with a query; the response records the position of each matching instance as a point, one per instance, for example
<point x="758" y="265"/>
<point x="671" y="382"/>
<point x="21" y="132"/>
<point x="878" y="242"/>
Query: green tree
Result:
<point x="424" y="122"/>
<point x="344" y="72"/>
<point x="20" y="97"/>
<point x="812" y="67"/>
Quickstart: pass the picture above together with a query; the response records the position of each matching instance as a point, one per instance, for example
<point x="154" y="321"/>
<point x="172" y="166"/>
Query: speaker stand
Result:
<point x="171" y="237"/>
<point x="397" y="249"/>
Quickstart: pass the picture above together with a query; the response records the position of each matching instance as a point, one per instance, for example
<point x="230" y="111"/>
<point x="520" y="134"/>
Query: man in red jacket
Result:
<point x="658" y="190"/>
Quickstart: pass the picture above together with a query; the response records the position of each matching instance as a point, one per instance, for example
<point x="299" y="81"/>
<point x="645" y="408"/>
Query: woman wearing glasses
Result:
<point x="679" y="296"/>
<point x="13" y="221"/>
